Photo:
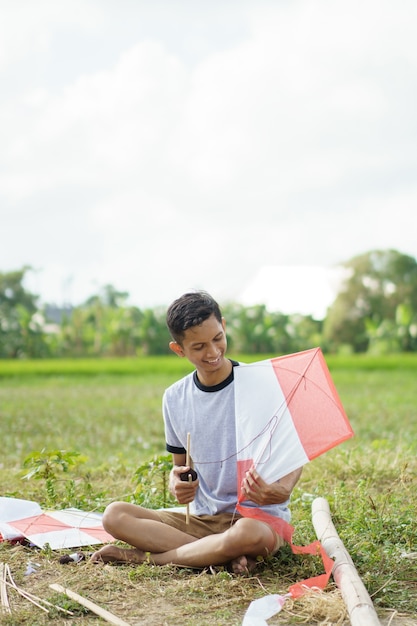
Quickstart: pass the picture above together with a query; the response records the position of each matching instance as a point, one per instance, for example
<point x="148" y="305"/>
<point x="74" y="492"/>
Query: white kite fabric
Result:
<point x="288" y="412"/>
<point x="69" y="528"/>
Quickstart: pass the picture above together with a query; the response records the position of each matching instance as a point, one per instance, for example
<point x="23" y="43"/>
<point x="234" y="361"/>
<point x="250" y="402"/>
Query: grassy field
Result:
<point x="88" y="432"/>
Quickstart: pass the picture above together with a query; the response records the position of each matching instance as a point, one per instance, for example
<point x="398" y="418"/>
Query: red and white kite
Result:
<point x="287" y="413"/>
<point x="68" y="528"/>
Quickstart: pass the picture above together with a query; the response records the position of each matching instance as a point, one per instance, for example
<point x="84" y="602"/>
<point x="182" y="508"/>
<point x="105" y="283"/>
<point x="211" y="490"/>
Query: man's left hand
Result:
<point x="254" y="488"/>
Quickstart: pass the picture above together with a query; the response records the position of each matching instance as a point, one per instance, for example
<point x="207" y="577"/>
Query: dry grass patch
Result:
<point x="155" y="596"/>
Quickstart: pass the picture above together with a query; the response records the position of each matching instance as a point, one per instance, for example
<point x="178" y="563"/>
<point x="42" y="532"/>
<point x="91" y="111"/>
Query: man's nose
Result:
<point x="212" y="349"/>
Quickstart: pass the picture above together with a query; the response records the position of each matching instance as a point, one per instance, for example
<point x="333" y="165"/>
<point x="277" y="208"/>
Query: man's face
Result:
<point x="204" y="346"/>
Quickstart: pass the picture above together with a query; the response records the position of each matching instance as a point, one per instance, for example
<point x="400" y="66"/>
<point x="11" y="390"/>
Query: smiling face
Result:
<point x="204" y="346"/>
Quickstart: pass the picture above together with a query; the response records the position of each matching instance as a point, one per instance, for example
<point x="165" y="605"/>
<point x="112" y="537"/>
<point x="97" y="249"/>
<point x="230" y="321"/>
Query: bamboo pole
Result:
<point x="98" y="610"/>
<point x="358" y="602"/>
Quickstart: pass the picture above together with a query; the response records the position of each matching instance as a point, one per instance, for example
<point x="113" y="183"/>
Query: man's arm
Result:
<point x="254" y="488"/>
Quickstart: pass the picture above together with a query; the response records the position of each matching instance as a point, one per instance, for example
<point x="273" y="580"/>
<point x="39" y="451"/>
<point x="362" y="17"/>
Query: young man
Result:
<point x="201" y="404"/>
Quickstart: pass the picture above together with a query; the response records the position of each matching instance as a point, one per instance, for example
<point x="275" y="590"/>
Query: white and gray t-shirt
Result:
<point x="208" y="414"/>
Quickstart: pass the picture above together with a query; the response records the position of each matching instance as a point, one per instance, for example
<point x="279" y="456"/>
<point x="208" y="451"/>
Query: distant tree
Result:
<point x="109" y="296"/>
<point x="378" y="301"/>
<point x="254" y="330"/>
<point x="103" y="326"/>
<point x="305" y="332"/>
<point x="154" y="335"/>
<point x="124" y="331"/>
<point x="21" y="333"/>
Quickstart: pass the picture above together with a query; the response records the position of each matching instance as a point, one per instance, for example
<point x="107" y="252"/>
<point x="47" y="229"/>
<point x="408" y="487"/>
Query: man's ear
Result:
<point x="175" y="347"/>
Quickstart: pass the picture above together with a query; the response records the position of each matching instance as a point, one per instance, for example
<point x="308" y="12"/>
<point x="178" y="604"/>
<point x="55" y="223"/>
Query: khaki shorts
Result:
<point x="202" y="525"/>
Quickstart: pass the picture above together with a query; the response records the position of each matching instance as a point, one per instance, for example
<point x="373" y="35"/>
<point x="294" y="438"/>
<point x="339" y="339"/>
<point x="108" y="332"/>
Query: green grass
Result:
<point x="109" y="412"/>
<point x="94" y="367"/>
<point x="172" y="365"/>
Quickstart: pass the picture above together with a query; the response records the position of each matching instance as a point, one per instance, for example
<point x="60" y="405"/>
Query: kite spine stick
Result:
<point x="106" y="615"/>
<point x="187" y="462"/>
<point x="358" y="602"/>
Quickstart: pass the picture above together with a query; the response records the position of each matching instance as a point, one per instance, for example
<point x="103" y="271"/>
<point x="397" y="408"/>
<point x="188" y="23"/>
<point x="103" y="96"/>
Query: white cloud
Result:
<point x="104" y="128"/>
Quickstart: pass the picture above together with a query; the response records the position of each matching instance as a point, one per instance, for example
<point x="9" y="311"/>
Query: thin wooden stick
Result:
<point x="28" y="596"/>
<point x="106" y="615"/>
<point x="39" y="602"/>
<point x="190" y="478"/>
<point x="4" y="599"/>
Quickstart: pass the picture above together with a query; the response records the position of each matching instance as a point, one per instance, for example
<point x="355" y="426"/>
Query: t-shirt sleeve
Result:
<point x="175" y="449"/>
<point x="173" y="443"/>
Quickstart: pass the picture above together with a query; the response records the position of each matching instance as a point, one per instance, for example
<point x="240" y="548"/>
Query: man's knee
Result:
<point x="255" y="536"/>
<point x="111" y="516"/>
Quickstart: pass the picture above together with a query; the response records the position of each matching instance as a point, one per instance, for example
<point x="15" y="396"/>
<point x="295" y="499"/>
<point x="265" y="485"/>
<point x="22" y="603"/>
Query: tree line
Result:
<point x="375" y="311"/>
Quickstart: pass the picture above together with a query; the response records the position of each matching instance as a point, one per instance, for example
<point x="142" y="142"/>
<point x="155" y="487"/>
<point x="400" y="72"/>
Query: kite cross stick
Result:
<point x="106" y="615"/>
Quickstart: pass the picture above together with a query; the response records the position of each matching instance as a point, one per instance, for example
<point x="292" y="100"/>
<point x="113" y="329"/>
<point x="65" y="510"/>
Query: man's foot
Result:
<point x="243" y="565"/>
<point x="113" y="554"/>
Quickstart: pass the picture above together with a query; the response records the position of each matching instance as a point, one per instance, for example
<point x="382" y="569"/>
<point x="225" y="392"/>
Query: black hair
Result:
<point x="191" y="309"/>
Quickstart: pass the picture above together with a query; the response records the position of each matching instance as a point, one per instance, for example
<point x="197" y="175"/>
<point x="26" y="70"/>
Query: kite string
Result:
<point x="242" y="449"/>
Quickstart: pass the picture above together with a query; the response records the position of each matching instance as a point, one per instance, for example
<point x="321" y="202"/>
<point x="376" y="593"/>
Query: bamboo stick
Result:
<point x="28" y="596"/>
<point x="190" y="478"/>
<point x="4" y="598"/>
<point x="358" y="602"/>
<point x="98" y="610"/>
<point x="39" y="602"/>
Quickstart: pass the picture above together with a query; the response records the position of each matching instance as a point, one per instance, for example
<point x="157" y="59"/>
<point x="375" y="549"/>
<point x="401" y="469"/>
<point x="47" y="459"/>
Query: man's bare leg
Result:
<point x="138" y="527"/>
<point x="114" y="554"/>
<point x="248" y="537"/>
<point x="142" y="529"/>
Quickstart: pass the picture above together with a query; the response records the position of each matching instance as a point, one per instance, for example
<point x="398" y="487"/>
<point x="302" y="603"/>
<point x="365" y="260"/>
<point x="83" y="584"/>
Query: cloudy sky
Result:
<point x="165" y="145"/>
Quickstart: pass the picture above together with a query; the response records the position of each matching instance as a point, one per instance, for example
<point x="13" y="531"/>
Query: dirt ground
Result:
<point x="394" y="619"/>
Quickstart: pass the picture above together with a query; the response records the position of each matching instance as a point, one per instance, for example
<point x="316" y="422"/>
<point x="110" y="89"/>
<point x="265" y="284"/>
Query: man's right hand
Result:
<point x="184" y="491"/>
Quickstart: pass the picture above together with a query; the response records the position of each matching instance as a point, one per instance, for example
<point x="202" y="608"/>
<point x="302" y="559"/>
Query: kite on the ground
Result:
<point x="69" y="528"/>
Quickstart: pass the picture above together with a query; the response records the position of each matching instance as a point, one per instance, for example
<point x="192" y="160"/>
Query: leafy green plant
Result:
<point x="152" y="480"/>
<point x="49" y="466"/>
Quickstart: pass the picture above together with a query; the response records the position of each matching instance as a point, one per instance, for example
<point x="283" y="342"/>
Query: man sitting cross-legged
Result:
<point x="201" y="404"/>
